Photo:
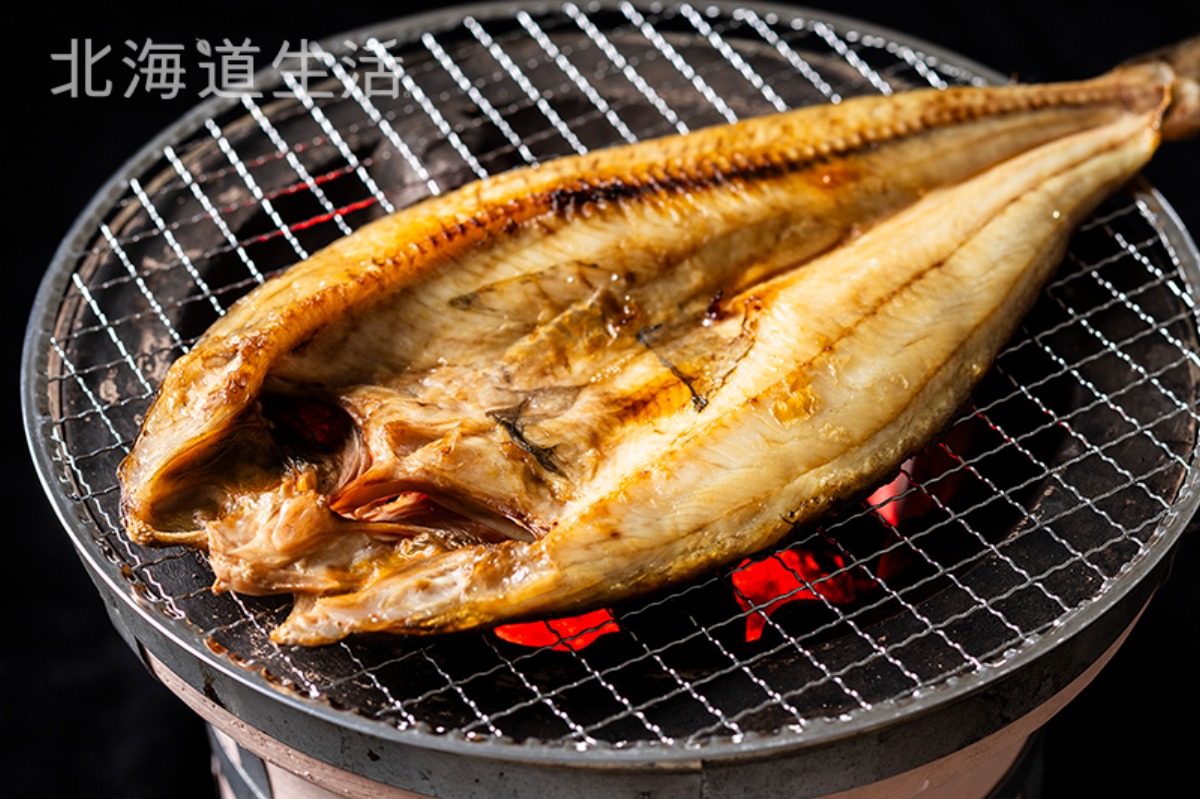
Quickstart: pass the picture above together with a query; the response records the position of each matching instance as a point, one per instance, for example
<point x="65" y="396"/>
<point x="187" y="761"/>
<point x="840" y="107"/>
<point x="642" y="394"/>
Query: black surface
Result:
<point x="85" y="718"/>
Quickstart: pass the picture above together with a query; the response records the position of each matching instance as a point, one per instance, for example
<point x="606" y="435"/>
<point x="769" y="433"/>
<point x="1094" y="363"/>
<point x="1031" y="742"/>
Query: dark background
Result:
<point x="84" y="717"/>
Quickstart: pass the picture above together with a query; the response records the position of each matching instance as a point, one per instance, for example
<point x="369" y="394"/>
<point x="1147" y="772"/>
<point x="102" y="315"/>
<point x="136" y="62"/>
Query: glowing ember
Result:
<point x="888" y="501"/>
<point x="563" y="635"/>
<point x="924" y="483"/>
<point x="789" y="576"/>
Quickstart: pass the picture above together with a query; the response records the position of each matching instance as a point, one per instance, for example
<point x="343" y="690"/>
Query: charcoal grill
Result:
<point x="1030" y="536"/>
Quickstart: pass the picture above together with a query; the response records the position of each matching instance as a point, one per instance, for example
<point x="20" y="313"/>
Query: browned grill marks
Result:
<point x="509" y="421"/>
<point x="582" y="196"/>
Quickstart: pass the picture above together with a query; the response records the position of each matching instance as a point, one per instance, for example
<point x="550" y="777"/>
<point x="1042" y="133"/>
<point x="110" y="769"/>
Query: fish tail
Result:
<point x="1182" y="118"/>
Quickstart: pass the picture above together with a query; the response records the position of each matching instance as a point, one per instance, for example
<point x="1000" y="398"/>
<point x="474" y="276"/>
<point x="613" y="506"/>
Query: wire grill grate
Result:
<point x="1063" y="473"/>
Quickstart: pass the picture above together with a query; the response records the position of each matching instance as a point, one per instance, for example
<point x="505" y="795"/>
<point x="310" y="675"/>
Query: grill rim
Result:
<point x="142" y="624"/>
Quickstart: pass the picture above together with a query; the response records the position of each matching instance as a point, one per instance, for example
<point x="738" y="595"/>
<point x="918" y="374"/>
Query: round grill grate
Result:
<point x="1063" y="484"/>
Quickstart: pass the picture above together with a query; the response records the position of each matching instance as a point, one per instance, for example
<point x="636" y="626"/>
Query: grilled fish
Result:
<point x="569" y="384"/>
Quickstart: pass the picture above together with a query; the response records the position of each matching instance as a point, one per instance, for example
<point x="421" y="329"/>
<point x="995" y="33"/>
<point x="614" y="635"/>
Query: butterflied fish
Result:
<point x="569" y="384"/>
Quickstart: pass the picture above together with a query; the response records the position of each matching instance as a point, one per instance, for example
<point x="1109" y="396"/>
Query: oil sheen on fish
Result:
<point x="570" y="384"/>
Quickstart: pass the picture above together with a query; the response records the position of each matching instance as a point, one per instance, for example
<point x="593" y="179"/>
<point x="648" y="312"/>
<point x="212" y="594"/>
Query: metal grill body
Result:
<point x="1046" y="513"/>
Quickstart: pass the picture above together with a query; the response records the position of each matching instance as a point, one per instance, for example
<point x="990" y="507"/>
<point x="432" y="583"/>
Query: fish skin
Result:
<point x="575" y="383"/>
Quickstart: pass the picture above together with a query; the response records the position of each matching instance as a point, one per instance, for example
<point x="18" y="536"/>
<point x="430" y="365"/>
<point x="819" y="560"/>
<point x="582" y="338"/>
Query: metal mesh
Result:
<point x="1059" y="477"/>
